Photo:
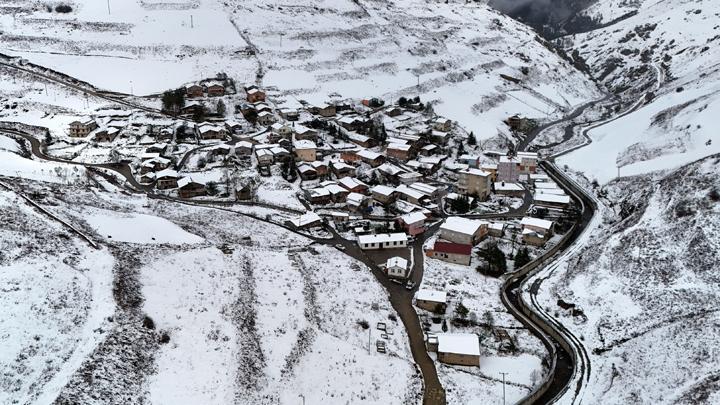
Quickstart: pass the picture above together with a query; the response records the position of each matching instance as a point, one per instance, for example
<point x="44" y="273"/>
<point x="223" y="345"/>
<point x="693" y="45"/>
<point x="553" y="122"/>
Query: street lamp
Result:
<point x="303" y="398"/>
<point x="503" y="375"/>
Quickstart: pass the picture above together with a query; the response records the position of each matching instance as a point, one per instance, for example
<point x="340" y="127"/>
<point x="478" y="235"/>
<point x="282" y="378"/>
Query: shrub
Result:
<point x="148" y="323"/>
<point x="364" y="324"/>
<point x="63" y="8"/>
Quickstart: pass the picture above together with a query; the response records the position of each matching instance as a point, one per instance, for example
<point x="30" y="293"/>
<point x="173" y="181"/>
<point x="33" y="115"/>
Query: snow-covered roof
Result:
<point x="303" y="168"/>
<point x="462" y="225"/>
<point x="498" y="226"/>
<point x="410" y="192"/>
<point x="396" y="261"/>
<point x="505" y="186"/>
<point x="413" y="217"/>
<point x="262" y="152"/>
<point x="398" y="146"/>
<point x="188" y="180"/>
<point x="459" y="343"/>
<point x="476" y="172"/>
<point x="319" y="192"/>
<point x="382" y="238"/>
<point x="556" y="191"/>
<point x="431" y="295"/>
<point x="410" y="175"/>
<point x="390" y="169"/>
<point x="355" y="198"/>
<point x="167" y="173"/>
<point x="536" y="222"/>
<point x="539" y="177"/>
<point x="546" y="184"/>
<point x="424" y="188"/>
<point x="368" y="154"/>
<point x="244" y="144"/>
<point x="337" y="165"/>
<point x="489" y="166"/>
<point x="305" y="219"/>
<point x="383" y="190"/>
<point x="350" y="183"/>
<point x="552" y="198"/>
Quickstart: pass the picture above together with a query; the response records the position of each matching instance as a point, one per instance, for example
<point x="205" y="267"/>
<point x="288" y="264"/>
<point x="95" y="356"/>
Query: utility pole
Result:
<point x="503" y="375"/>
<point x="369" y="340"/>
<point x="303" y="398"/>
<point x="192" y="24"/>
<point x="618" y="176"/>
<point x="281" y="35"/>
<point x="108" y="4"/>
<point x="131" y="89"/>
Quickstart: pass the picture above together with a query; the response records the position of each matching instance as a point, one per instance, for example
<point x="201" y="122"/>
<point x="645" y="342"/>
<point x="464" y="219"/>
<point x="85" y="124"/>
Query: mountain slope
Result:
<point x="644" y="295"/>
<point x="670" y="49"/>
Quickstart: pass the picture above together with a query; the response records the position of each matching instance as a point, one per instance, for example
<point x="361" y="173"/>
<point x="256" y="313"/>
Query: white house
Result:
<point x="307" y="220"/>
<point x="382" y="241"/>
<point x="397" y="267"/>
<point x="431" y="300"/>
<point x="456" y="348"/>
<point x="463" y="230"/>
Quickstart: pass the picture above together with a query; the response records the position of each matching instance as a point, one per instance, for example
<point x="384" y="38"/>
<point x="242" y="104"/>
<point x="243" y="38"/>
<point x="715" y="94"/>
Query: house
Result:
<point x="319" y="195"/>
<point x="219" y="150"/>
<point x="383" y="194"/>
<point x="215" y="90"/>
<point x="536" y="231"/>
<point x="429" y="150"/>
<point x="289" y="114"/>
<point x="491" y="168"/>
<point x="264" y="157"/>
<point x="356" y="202"/>
<point x="360" y="140"/>
<point x="455" y="348"/>
<point x="161" y="148"/>
<point x="393" y="111"/>
<point x="398" y="151"/>
<point x="166" y="179"/>
<point x="374" y="159"/>
<point x="80" y="129"/>
<point x="341" y="169"/>
<point x="382" y="241"/>
<point x="243" y="148"/>
<point x="265" y="118"/>
<point x="147" y="178"/>
<point x="353" y="185"/>
<point x="107" y="134"/>
<point x="206" y="131"/>
<point x="508" y="169"/>
<point x="442" y="124"/>
<point x="439" y="137"/>
<point x="397" y="267"/>
<point x="509" y="189"/>
<point x="474" y="182"/>
<point x="338" y="194"/>
<point x="320" y="167"/>
<point x="451" y="252"/>
<point x="496" y="229"/>
<point x="254" y="94"/>
<point x="307" y="221"/>
<point x="431" y="300"/>
<point x="234" y="127"/>
<point x="528" y="162"/>
<point x="307" y="172"/>
<point x="188" y="188"/>
<point x="411" y="195"/>
<point x="409" y="177"/>
<point x="463" y="230"/>
<point x="349" y="156"/>
<point x="305" y="150"/>
<point x="552" y="200"/>
<point x="303" y="132"/>
<point x="283" y="130"/>
<point x="194" y="91"/>
<point x="427" y="189"/>
<point x="326" y="110"/>
<point x="413" y="223"/>
<point x="279" y="153"/>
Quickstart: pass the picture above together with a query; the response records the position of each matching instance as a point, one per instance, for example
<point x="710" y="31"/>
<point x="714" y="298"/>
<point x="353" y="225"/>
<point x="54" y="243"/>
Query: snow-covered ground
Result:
<point x="642" y="294"/>
<point x="672" y="42"/>
<point x="480" y="294"/>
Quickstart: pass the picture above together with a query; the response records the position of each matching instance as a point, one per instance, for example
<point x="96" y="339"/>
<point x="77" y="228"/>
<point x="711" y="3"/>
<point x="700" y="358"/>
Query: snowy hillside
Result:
<point x="643" y="296"/>
<point x="328" y="50"/>
<point x="180" y="304"/>
<point x="675" y="44"/>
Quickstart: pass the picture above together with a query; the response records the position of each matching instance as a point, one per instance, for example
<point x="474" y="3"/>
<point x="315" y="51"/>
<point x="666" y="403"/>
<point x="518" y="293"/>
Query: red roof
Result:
<point x="449" y="247"/>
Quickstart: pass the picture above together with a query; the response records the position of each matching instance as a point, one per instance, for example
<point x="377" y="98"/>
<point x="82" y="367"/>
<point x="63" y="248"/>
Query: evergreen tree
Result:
<point x="496" y="260"/>
<point x="461" y="311"/>
<point x="522" y="257"/>
<point x="211" y="188"/>
<point x="460" y="205"/>
<point x="221" y="108"/>
<point x="471" y="139"/>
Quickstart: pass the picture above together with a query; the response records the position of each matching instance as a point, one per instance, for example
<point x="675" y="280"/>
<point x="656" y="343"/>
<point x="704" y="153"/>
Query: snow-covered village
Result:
<point x="405" y="202"/>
